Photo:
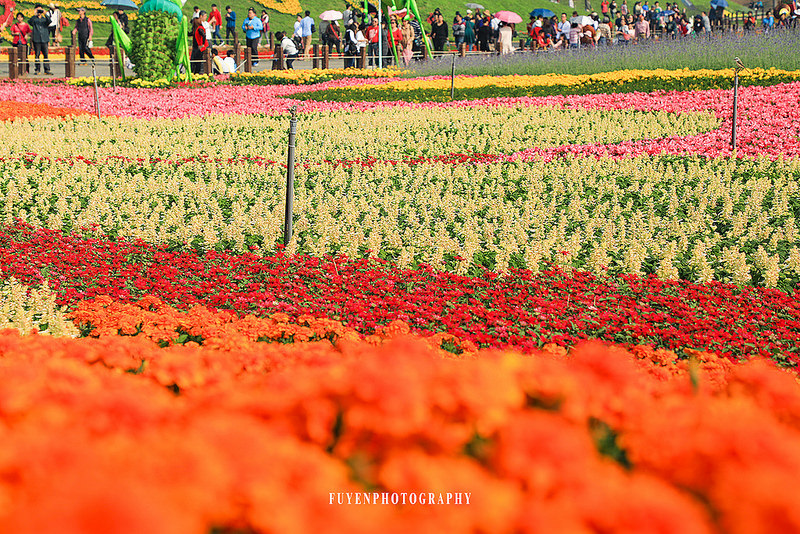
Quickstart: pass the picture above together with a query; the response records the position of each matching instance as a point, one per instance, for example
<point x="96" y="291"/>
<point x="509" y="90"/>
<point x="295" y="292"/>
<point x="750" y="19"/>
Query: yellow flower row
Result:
<point x="309" y="75"/>
<point x="394" y="133"/>
<point x="25" y="308"/>
<point x="547" y="80"/>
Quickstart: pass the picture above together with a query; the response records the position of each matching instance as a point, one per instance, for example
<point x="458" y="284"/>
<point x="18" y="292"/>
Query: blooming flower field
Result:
<point x="578" y="313"/>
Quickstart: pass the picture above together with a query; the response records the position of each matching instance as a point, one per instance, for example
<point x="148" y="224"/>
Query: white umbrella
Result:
<point x="583" y="20"/>
<point x="331" y="15"/>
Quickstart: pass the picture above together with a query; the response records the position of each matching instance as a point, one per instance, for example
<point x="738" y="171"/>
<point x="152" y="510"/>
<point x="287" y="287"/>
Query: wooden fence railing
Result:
<point x="20" y="62"/>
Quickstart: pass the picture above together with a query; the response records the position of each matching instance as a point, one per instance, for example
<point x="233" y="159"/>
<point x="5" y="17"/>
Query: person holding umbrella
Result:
<point x="331" y="34"/>
<point x="122" y="17"/>
<point x="334" y="37"/>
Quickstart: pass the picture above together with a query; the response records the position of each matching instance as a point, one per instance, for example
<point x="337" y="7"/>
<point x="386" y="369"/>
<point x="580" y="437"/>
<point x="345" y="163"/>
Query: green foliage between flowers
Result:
<point x="381" y="94"/>
<point x="154" y="34"/>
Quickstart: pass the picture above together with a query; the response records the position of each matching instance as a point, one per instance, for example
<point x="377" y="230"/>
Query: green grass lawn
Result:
<point x="282" y="14"/>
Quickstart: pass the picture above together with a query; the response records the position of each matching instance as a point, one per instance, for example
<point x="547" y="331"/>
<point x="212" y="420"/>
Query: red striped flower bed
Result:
<point x="522" y="309"/>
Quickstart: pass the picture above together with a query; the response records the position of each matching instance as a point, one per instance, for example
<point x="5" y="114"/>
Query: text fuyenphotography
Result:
<point x="405" y="498"/>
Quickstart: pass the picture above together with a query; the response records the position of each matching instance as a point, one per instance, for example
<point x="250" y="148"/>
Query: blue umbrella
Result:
<point x="540" y="12"/>
<point x="719" y="3"/>
<point x="666" y="13"/>
<point x="120" y="4"/>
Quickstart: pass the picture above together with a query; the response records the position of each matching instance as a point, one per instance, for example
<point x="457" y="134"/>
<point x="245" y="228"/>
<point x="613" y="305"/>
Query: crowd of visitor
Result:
<point x="400" y="36"/>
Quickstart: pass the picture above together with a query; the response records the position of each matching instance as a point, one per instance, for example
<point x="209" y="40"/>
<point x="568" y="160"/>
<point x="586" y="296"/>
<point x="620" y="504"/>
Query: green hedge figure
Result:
<point x="158" y="38"/>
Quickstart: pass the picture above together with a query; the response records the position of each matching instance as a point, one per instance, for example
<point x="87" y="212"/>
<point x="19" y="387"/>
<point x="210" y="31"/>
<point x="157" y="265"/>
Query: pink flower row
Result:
<point x="766" y="126"/>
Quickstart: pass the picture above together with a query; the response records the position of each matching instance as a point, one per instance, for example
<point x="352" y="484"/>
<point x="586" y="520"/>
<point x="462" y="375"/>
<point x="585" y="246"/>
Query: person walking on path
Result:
<point x="215" y="17"/>
<point x="252" y="28"/>
<point x="230" y="24"/>
<point x="83" y="28"/>
<point x="122" y="17"/>
<point x="308" y="30"/>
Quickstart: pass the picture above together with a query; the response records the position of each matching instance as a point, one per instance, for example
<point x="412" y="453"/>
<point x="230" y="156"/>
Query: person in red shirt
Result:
<point x="216" y="16"/>
<point x="372" y="39"/>
<point x="199" y="43"/>
<point x="20" y="30"/>
<point x="397" y="35"/>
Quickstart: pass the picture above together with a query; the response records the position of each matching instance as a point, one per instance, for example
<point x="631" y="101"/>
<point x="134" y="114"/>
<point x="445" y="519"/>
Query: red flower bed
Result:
<point x="10" y="110"/>
<point x="522" y="309"/>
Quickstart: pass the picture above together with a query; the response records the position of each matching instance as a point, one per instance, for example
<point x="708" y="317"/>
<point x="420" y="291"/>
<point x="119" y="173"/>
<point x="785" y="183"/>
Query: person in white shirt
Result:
<point x="495" y="25"/>
<point x="362" y="40"/>
<point x="351" y="47"/>
<point x="298" y="28"/>
<point x="229" y="64"/>
<point x="55" y="23"/>
<point x="563" y="27"/>
<point x="288" y="47"/>
<point x="209" y="31"/>
<point x="505" y="43"/>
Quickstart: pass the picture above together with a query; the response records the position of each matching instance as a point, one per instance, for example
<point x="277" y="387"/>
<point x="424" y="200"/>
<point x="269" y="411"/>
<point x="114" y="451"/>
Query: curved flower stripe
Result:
<point x="765" y="128"/>
<point x="521" y="309"/>
<point x="152" y="319"/>
<point x="569" y="80"/>
<point x="11" y="110"/>
<point x="601" y="440"/>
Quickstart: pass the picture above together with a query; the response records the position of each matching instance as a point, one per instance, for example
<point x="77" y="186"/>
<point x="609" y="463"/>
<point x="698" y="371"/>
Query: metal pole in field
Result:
<point x="737" y="66"/>
<point x="287" y="224"/>
<point x="735" y="105"/>
<point x="114" y="70"/>
<point x="380" y="41"/>
<point x="453" y="79"/>
<point x="96" y="95"/>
